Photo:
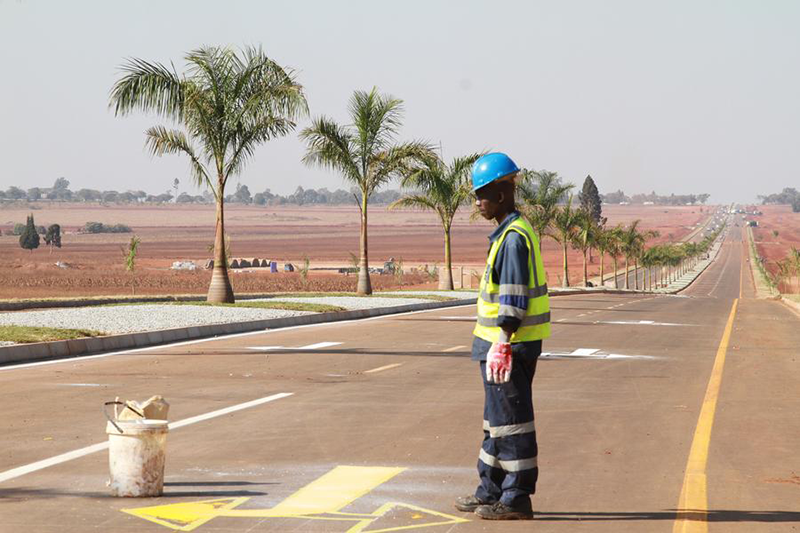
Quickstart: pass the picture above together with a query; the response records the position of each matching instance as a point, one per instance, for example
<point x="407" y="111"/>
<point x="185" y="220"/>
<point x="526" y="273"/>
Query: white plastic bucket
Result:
<point x="136" y="457"/>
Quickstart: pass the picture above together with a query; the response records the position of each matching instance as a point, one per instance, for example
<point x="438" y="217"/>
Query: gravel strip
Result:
<point x="135" y="318"/>
<point x="449" y="294"/>
<point x="349" y="302"/>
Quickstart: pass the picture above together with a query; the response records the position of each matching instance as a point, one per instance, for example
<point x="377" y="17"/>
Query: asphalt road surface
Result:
<point x="654" y="413"/>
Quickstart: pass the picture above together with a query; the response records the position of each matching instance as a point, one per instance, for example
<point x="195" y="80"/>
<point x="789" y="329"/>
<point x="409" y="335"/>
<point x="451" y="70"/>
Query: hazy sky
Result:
<point x="684" y="97"/>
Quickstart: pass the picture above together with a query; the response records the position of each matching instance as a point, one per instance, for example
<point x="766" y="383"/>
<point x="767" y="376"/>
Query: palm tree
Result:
<point x="612" y="242"/>
<point x="540" y="192"/>
<point x="365" y="153"/>
<point x="225" y="104"/>
<point x="585" y="238"/>
<point x="443" y="189"/>
<point x="633" y="242"/>
<point x="563" y="229"/>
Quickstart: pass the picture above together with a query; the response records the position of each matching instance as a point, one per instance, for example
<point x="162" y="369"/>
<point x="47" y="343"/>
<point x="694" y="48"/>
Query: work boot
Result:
<point x="468" y="504"/>
<point x="501" y="511"/>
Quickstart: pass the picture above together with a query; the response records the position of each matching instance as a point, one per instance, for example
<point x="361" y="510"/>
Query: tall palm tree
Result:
<point x="632" y="241"/>
<point x="365" y="153"/>
<point x="612" y="243"/>
<point x="224" y="106"/>
<point x="540" y="193"/>
<point x="563" y="229"/>
<point x="442" y="188"/>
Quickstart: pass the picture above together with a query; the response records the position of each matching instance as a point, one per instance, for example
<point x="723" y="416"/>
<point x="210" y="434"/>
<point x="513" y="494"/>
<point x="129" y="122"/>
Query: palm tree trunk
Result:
<point x="635" y="274"/>
<point x="220" y="289"/>
<point x="446" y="277"/>
<point x="627" y="275"/>
<point x="364" y="286"/>
<point x="616" y="277"/>
<point x="565" y="283"/>
<point x="585" y="271"/>
<point x="602" y="269"/>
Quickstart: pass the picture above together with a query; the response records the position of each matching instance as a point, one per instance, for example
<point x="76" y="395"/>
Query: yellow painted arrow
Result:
<point x="322" y="499"/>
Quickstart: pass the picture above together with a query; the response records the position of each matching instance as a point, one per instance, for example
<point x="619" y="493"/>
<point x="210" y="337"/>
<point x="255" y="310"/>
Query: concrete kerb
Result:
<point x="23" y="353"/>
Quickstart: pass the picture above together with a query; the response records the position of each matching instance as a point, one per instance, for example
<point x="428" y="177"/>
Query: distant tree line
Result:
<point x="61" y="192"/>
<point x="789" y="196"/>
<point x="620" y="197"/>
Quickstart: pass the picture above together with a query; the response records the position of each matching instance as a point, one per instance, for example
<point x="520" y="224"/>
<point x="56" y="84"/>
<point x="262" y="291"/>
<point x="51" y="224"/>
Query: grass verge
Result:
<point x="29" y="334"/>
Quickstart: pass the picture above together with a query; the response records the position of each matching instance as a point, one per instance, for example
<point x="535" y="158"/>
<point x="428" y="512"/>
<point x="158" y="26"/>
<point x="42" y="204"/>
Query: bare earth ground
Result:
<point x="326" y="235"/>
<point x="778" y="218"/>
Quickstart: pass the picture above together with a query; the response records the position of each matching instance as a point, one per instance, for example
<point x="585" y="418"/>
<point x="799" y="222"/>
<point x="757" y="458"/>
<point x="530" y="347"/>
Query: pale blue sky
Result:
<point x="684" y="97"/>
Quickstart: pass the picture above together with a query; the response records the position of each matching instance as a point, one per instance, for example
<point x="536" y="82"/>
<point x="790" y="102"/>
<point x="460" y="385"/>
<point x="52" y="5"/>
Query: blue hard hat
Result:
<point x="491" y="167"/>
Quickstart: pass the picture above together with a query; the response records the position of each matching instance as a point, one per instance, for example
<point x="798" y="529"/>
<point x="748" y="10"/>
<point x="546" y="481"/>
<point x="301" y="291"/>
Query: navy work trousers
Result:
<point x="507" y="463"/>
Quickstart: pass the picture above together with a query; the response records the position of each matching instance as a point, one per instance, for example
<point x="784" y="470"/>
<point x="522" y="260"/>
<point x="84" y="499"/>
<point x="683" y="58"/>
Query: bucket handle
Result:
<point x="117" y="402"/>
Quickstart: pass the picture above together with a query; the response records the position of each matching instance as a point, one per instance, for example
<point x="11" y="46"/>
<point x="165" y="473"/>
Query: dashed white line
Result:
<point x="453" y="348"/>
<point x="382" y="368"/>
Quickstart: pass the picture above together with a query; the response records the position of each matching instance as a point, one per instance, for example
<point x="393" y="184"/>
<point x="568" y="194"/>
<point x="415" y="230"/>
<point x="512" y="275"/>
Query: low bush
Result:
<point x="99" y="227"/>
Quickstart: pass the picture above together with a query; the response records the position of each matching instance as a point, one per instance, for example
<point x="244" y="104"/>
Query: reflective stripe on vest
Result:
<point x="535" y="320"/>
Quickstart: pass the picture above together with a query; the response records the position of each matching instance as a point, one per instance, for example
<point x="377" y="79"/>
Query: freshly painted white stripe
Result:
<point x="316" y="346"/>
<point x="454" y="348"/>
<point x="585" y="351"/>
<point x="382" y="368"/>
<point x="228" y="410"/>
<point x="319" y="345"/>
<point x="58" y="459"/>
<point x="131" y="351"/>
<point x="81" y="452"/>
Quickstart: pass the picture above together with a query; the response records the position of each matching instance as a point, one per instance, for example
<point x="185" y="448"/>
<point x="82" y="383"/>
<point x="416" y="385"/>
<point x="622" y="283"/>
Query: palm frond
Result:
<point x="160" y="141"/>
<point x="331" y="146"/>
<point x="148" y="87"/>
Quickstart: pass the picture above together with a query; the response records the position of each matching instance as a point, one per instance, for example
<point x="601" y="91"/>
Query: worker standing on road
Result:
<point x="513" y="318"/>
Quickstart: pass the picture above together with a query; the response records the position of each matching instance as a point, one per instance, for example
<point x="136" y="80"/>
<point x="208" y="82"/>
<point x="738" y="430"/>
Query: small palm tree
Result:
<point x="227" y="103"/>
<point x="365" y="153"/>
<point x="563" y="230"/>
<point x="585" y="238"/>
<point x="540" y="193"/>
<point x="441" y="188"/>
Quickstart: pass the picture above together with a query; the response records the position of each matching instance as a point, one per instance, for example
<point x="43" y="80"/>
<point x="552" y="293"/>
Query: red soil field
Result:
<point x="326" y="235"/>
<point x="778" y="218"/>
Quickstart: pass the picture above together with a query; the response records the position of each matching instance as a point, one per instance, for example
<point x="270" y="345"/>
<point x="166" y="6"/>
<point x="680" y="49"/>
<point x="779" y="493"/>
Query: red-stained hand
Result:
<point x="498" y="363"/>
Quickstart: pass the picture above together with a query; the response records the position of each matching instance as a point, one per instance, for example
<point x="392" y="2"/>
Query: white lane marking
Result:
<point x="585" y="351"/>
<point x="454" y="348"/>
<point x="382" y="368"/>
<point x="319" y="345"/>
<point x="131" y="351"/>
<point x="316" y="346"/>
<point x="81" y="452"/>
<point x="459" y="318"/>
<point x="596" y="354"/>
<point x="227" y="410"/>
<point x="641" y="323"/>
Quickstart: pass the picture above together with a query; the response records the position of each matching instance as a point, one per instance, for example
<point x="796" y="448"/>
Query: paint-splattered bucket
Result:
<point x="136" y="456"/>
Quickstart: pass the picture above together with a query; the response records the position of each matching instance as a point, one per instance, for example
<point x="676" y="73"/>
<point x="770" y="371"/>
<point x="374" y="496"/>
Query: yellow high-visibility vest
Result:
<point x="536" y="322"/>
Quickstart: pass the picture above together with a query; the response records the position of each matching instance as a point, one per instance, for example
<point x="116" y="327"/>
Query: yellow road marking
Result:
<point x="693" y="501"/>
<point x="322" y="499"/>
<point x="382" y="368"/>
<point x="453" y="348"/>
<point x="335" y="490"/>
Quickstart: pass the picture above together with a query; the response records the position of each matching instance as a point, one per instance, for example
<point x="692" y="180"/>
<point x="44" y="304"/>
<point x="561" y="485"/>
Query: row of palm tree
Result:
<point x="227" y="103"/>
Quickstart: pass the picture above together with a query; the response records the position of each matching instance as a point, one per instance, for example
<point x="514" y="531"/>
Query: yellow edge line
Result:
<point x="693" y="502"/>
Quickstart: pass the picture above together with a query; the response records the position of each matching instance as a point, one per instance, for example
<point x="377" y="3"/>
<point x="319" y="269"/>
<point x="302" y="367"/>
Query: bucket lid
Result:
<point x="135" y="427"/>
